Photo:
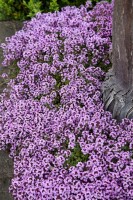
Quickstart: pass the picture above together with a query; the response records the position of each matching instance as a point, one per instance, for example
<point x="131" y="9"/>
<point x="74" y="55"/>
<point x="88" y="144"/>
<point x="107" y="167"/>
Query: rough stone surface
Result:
<point x="117" y="100"/>
<point x="6" y="173"/>
<point x="7" y="28"/>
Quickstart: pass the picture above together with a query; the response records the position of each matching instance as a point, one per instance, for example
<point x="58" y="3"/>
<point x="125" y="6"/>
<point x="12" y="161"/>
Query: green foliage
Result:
<point x="54" y="6"/>
<point x="11" y="9"/>
<point x="57" y="77"/>
<point x="76" y="156"/>
<point x="33" y="7"/>
<point x="4" y="10"/>
<point x="25" y="9"/>
<point x="38" y="97"/>
<point x="104" y="67"/>
<point x="19" y="10"/>
<point x="126" y="147"/>
<point x="57" y="100"/>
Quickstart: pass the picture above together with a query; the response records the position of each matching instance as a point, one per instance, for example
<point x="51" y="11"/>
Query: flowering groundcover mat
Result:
<point x="64" y="145"/>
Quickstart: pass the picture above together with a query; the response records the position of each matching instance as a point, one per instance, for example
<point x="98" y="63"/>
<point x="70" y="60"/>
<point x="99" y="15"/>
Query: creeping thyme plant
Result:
<point x="64" y="145"/>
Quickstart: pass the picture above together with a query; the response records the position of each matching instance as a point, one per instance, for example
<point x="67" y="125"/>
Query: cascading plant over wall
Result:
<point x="64" y="145"/>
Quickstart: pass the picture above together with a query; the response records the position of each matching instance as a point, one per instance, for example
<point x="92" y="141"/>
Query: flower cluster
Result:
<point x="64" y="145"/>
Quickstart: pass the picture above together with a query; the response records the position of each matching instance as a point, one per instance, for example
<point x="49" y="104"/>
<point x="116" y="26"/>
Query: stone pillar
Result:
<point x="7" y="28"/>
<point x="118" y="86"/>
<point x="6" y="173"/>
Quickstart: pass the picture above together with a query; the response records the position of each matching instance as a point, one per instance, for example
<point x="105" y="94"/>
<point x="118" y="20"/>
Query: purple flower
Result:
<point x="55" y="103"/>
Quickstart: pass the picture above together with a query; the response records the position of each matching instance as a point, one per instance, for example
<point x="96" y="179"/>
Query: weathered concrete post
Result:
<point x="7" y="28"/>
<point x="118" y="85"/>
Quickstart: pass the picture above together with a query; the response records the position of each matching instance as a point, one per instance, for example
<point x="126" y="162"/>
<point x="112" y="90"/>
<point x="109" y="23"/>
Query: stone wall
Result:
<point x="7" y="28"/>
